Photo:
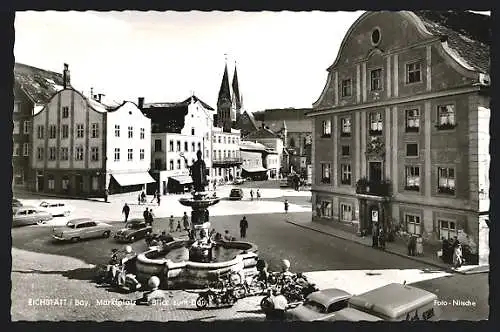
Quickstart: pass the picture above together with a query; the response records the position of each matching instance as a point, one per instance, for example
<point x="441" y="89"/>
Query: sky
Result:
<point x="281" y="57"/>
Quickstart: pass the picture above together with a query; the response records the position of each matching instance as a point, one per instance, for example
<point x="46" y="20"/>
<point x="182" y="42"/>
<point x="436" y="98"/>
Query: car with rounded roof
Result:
<point x="134" y="230"/>
<point x="82" y="228"/>
<point x="29" y="215"/>
<point x="236" y="194"/>
<point x="56" y="208"/>
<point x="320" y="305"/>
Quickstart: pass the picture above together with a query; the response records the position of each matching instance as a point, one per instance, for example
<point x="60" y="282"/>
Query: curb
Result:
<point x="476" y="270"/>
<point x="56" y="195"/>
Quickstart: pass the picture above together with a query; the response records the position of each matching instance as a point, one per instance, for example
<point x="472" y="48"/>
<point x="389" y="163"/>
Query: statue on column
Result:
<point x="198" y="172"/>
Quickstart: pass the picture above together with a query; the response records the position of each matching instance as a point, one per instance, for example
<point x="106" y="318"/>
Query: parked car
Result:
<point x="83" y="228"/>
<point x="56" y="208"/>
<point x="29" y="215"/>
<point x="134" y="230"/>
<point x="16" y="202"/>
<point x="239" y="181"/>
<point x="320" y="305"/>
<point x="236" y="194"/>
<point x="393" y="302"/>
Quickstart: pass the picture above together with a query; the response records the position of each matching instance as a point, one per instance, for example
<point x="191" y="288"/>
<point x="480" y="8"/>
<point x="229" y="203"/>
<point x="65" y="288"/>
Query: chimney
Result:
<point x="99" y="96"/>
<point x="66" y="77"/>
<point x="92" y="93"/>
<point x="140" y="102"/>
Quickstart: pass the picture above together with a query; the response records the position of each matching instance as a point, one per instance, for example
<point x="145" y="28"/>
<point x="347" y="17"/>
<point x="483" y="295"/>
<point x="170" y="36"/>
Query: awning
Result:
<point x="254" y="169"/>
<point x="128" y="179"/>
<point x="182" y="179"/>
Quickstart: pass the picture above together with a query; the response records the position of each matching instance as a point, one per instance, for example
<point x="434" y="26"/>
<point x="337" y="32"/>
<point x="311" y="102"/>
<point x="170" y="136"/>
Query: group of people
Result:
<point x="257" y="194"/>
<point x="185" y="223"/>
<point x="452" y="252"/>
<point x="378" y="236"/>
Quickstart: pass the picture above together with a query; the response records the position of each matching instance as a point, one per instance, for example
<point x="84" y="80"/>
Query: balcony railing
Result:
<point x="375" y="188"/>
<point x="226" y="161"/>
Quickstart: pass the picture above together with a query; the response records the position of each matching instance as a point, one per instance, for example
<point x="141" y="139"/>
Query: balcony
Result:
<point x="373" y="188"/>
<point x="226" y="161"/>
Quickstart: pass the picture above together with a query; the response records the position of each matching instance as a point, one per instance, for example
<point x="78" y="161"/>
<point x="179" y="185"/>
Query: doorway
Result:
<point x="375" y="171"/>
<point x="39" y="183"/>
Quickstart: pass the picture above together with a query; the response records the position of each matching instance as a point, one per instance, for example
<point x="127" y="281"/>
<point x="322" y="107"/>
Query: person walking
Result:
<point x="126" y="211"/>
<point x="145" y="214"/>
<point x="143" y="197"/>
<point x="150" y="217"/>
<point x="381" y="239"/>
<point x="251" y="194"/>
<point x="457" y="256"/>
<point x="158" y="198"/>
<point x="258" y="194"/>
<point x="139" y="199"/>
<point x="171" y="224"/>
<point x="375" y="235"/>
<point x="412" y="244"/>
<point x="243" y="227"/>
<point x="286" y="206"/>
<point x="178" y="228"/>
<point x="154" y="197"/>
<point x="185" y="221"/>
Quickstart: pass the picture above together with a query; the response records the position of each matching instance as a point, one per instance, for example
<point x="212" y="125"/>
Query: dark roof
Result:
<point x="258" y="116"/>
<point x="224" y="91"/>
<point x="262" y="132"/>
<point x="184" y="103"/>
<point x="285" y="113"/>
<point x="236" y="90"/>
<point x="39" y="84"/>
<point x="467" y="33"/>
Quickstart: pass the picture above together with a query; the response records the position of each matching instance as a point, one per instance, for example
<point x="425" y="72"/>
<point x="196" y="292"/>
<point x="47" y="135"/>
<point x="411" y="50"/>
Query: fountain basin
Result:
<point x="176" y="272"/>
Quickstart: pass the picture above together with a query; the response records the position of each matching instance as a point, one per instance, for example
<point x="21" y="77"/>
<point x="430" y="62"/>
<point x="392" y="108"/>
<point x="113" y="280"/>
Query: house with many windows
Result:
<point x="33" y="88"/>
<point x="400" y="131"/>
<point x="226" y="160"/>
<point x="178" y="129"/>
<point x="82" y="147"/>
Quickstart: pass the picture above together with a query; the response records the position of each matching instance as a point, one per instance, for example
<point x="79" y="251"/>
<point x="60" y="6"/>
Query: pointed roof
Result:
<point x="236" y="90"/>
<point x="224" y="91"/>
<point x="38" y="84"/>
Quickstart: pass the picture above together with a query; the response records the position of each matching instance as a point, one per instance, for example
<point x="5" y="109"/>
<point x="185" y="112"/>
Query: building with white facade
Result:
<point x="226" y="160"/>
<point x="273" y="142"/>
<point x="178" y="128"/>
<point x="252" y="160"/>
<point x="81" y="147"/>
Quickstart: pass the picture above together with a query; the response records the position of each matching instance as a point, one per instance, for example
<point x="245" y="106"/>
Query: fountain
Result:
<point x="194" y="262"/>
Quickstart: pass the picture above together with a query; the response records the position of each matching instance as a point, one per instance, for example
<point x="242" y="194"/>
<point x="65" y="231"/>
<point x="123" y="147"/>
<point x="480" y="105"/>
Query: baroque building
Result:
<point x="400" y="131"/>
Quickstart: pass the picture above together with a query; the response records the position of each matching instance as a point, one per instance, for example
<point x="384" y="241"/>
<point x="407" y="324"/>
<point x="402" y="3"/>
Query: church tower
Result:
<point x="237" y="99"/>
<point x="224" y="104"/>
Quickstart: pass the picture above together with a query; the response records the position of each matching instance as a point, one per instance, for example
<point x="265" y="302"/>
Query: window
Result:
<point x="345" y="127"/>
<point x="65" y="131"/>
<point x="375" y="123"/>
<point x="171" y="165"/>
<point x="65" y="112"/>
<point x="199" y="146"/>
<point x="40" y="153"/>
<point x="52" y="131"/>
<point x="79" y="130"/>
<point x="446" y="180"/>
<point x="346" y="88"/>
<point x="214" y="154"/>
<point x="447" y="229"/>
<point x="412" y="224"/>
<point x="446" y="117"/>
<point x="94" y="153"/>
<point x="158" y="164"/>
<point x="40" y="131"/>
<point x="345" y="212"/>
<point x="16" y="127"/>
<point x="16" y="150"/>
<point x="376" y="79"/>
<point x="412" y="176"/>
<point x="170" y="145"/>
<point x="17" y="107"/>
<point x="65" y="183"/>
<point x="26" y="149"/>
<point x="327" y="128"/>
<point x="117" y="154"/>
<point x="158" y="145"/>
<point x="178" y="145"/>
<point x="193" y="147"/>
<point x="130" y="132"/>
<point x="412" y="150"/>
<point x="130" y="154"/>
<point x="326" y="209"/>
<point x="345" y="150"/>
<point x="219" y="139"/>
<point x="95" y="130"/>
<point x="64" y="154"/>
<point x="412" y="121"/>
<point x="26" y="128"/>
<point x="186" y="146"/>
<point x="220" y="155"/>
<point x="214" y="139"/>
<point x="413" y="72"/>
<point x="117" y="130"/>
<point x="178" y="164"/>
<point x="19" y="177"/>
<point x="79" y="153"/>
<point x="52" y="153"/>
<point x="143" y="133"/>
<point x="95" y="183"/>
<point x="141" y="154"/>
<point x="192" y="131"/>
<point x="375" y="36"/>
<point x="345" y="170"/>
<point x="224" y="139"/>
<point x="325" y="173"/>
<point x="51" y="183"/>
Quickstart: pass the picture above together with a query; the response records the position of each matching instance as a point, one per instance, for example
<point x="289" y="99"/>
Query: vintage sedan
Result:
<point x="83" y="228"/>
<point x="134" y="230"/>
<point x="236" y="194"/>
<point x="56" y="208"/>
<point x="29" y="215"/>
<point x="320" y="305"/>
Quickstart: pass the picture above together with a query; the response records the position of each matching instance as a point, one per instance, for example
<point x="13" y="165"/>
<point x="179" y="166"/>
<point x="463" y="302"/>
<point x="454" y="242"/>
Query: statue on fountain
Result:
<point x="198" y="171"/>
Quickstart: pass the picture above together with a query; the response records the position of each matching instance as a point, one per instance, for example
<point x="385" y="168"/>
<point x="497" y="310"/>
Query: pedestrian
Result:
<point x="215" y="185"/>
<point x="143" y="197"/>
<point x="457" y="256"/>
<point x="178" y="228"/>
<point x="412" y="244"/>
<point x="126" y="211"/>
<point x="243" y="227"/>
<point x="150" y="217"/>
<point x="375" y="235"/>
<point x="381" y="239"/>
<point x="158" y="198"/>
<point x="106" y="193"/>
<point x="185" y="221"/>
<point x="154" y="197"/>
<point x="258" y="194"/>
<point x="139" y="199"/>
<point x="251" y="194"/>
<point x="286" y="206"/>
<point x="171" y="224"/>
<point x="145" y="214"/>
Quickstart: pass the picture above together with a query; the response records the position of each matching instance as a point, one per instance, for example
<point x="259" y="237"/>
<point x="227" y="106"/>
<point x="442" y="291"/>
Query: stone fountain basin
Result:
<point x="176" y="275"/>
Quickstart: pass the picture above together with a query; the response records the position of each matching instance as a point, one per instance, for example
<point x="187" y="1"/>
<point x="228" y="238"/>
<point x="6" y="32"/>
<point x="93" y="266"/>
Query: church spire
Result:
<point x="224" y="91"/>
<point x="236" y="90"/>
<point x="224" y="103"/>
